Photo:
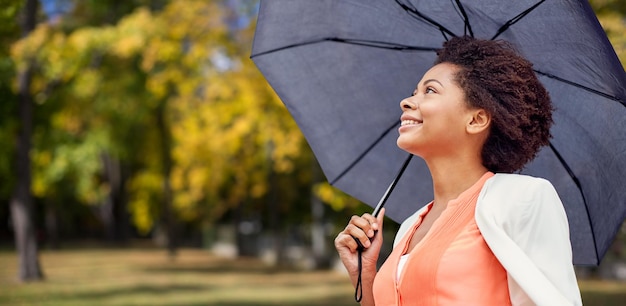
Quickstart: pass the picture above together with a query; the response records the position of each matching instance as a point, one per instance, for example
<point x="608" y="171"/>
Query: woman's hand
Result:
<point x="363" y="229"/>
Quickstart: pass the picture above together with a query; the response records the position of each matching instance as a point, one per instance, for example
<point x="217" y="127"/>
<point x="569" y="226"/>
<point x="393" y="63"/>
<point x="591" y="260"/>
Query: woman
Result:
<point x="488" y="237"/>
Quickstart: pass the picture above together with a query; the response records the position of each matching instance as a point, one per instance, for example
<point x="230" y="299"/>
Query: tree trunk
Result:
<point x="22" y="210"/>
<point x="274" y="211"/>
<point x="318" y="232"/>
<point x="167" y="214"/>
<point x="246" y="228"/>
<point x="52" y="224"/>
<point x="112" y="212"/>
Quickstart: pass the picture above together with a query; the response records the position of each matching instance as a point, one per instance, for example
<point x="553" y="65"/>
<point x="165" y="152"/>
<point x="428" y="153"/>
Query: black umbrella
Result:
<point x="342" y="66"/>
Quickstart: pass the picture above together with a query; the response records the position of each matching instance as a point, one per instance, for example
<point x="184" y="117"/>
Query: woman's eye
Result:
<point x="430" y="90"/>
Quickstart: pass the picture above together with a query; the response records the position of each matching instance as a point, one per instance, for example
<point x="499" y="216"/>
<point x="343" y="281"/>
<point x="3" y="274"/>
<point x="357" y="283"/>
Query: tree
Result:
<point x="171" y="99"/>
<point x="612" y="16"/>
<point x="22" y="210"/>
<point x="9" y="32"/>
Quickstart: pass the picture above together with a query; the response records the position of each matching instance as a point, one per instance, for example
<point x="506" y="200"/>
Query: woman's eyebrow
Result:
<point x="431" y="80"/>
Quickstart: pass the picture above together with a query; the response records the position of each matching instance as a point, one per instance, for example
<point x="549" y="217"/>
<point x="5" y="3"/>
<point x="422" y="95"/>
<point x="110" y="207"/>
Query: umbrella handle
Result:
<point x="358" y="289"/>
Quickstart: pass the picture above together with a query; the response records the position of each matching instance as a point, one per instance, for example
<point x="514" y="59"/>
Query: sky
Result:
<point x="54" y="9"/>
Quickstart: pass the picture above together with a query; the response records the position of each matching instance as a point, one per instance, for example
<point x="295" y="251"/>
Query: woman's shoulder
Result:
<point x="516" y="188"/>
<point x="507" y="195"/>
<point x="519" y="182"/>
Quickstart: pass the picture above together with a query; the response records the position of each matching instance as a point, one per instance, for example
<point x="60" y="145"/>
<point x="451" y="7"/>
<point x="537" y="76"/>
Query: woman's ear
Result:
<point x="480" y="121"/>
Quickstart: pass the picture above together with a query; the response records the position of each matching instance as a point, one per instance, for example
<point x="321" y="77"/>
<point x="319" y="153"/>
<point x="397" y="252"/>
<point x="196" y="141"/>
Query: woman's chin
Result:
<point x="406" y="145"/>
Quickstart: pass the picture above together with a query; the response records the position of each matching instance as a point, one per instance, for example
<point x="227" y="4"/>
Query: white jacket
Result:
<point x="523" y="222"/>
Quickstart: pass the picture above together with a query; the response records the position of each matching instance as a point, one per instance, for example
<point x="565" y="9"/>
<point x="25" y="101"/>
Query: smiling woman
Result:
<point x="438" y="106"/>
<point x="475" y="117"/>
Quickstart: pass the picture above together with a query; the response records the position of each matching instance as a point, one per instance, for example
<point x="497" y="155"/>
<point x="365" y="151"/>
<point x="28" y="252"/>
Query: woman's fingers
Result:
<point x="359" y="230"/>
<point x="358" y="234"/>
<point x="367" y="223"/>
<point x="346" y="240"/>
<point x="362" y="229"/>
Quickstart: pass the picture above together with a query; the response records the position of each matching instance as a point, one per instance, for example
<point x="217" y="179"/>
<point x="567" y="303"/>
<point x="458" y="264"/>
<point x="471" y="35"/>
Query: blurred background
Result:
<point x="138" y="133"/>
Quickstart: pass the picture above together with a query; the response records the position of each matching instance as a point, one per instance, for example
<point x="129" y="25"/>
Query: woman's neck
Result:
<point x="452" y="177"/>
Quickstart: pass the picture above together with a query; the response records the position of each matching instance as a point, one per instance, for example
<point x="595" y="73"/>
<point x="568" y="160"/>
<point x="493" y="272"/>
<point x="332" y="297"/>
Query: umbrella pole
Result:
<point x="385" y="196"/>
<point x="358" y="292"/>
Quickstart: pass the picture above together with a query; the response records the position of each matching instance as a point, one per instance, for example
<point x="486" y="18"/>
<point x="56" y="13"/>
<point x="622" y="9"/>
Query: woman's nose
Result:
<point x="405" y="104"/>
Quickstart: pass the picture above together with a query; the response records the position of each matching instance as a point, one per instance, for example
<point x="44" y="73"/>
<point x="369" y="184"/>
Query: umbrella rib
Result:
<point x="416" y="14"/>
<point x="582" y="194"/>
<point x="608" y="96"/>
<point x="360" y="157"/>
<point x="515" y="19"/>
<point x="360" y="42"/>
<point x="380" y="44"/>
<point x="468" y="27"/>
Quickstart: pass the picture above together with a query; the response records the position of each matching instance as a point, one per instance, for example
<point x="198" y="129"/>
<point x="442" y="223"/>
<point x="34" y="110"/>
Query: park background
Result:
<point x="145" y="160"/>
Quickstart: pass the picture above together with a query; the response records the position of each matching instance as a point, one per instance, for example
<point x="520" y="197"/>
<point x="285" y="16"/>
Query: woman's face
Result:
<point x="434" y="118"/>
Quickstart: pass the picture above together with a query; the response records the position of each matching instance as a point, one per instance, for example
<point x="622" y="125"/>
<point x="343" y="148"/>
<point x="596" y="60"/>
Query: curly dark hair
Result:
<point x="497" y="79"/>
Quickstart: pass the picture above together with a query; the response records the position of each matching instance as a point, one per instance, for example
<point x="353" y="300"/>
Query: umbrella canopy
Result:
<point x="342" y="66"/>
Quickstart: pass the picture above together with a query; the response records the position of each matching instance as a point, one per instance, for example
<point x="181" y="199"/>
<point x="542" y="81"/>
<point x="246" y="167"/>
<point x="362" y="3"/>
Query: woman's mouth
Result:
<point x="409" y="122"/>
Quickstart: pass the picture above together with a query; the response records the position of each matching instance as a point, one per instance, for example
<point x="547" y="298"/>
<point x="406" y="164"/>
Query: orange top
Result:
<point x="451" y="265"/>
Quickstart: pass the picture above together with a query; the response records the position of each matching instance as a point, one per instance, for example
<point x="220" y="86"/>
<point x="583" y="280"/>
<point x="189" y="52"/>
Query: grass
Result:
<point x="195" y="277"/>
<point x="148" y="277"/>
